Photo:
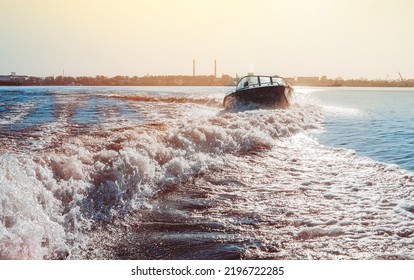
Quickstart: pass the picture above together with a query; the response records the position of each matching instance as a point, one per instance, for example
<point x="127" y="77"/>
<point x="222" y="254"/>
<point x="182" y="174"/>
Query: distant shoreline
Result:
<point x="180" y="80"/>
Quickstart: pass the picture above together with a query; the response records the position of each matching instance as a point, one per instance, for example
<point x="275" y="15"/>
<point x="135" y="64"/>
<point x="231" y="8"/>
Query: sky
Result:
<point x="370" y="39"/>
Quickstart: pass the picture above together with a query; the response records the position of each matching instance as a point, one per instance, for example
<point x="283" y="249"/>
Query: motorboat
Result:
<point x="260" y="91"/>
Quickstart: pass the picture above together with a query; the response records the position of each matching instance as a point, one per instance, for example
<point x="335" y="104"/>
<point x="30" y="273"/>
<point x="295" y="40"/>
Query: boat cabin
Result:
<point x="252" y="81"/>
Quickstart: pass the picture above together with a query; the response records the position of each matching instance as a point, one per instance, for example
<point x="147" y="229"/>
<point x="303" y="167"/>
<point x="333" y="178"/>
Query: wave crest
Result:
<point x="64" y="191"/>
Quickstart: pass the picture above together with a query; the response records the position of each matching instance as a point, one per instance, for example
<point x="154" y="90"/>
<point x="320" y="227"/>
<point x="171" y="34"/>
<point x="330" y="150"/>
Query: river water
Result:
<point x="166" y="173"/>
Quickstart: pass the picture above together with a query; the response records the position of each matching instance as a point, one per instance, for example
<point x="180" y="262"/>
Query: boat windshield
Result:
<point x="247" y="82"/>
<point x="255" y="81"/>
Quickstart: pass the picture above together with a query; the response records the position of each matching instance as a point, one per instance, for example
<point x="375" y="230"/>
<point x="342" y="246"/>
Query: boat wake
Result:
<point x="169" y="99"/>
<point x="204" y="184"/>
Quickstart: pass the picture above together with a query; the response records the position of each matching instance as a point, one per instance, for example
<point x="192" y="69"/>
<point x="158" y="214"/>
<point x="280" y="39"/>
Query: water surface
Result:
<point x="166" y="173"/>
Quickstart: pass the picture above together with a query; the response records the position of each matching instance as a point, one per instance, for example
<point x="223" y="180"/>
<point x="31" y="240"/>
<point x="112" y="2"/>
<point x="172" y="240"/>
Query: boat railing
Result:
<point x="259" y="81"/>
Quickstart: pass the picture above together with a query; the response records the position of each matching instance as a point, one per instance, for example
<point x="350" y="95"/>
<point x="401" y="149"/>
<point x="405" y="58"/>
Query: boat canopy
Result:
<point x="258" y="81"/>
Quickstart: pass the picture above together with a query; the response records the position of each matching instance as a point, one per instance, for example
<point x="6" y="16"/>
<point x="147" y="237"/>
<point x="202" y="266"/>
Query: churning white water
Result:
<point x="166" y="173"/>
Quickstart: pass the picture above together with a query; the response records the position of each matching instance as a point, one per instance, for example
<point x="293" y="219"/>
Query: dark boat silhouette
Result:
<point x="261" y="91"/>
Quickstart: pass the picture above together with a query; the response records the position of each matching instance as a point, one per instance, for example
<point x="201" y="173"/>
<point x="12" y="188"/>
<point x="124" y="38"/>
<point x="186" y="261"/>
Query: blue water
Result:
<point x="375" y="122"/>
<point x="167" y="173"/>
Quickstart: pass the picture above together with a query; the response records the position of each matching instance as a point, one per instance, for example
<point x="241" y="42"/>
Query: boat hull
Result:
<point x="262" y="97"/>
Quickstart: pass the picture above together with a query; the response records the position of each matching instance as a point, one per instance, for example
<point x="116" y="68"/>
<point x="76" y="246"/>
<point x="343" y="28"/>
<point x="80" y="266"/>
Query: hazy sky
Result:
<point x="338" y="38"/>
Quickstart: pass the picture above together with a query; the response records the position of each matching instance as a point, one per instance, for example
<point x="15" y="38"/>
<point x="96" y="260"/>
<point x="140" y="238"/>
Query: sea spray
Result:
<point x="181" y="178"/>
<point x="59" y="193"/>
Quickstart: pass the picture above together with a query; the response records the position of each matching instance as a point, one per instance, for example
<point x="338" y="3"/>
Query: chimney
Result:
<point x="215" y="68"/>
<point x="193" y="67"/>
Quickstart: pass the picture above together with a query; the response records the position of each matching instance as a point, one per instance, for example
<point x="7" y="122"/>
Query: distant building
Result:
<point x="12" y="79"/>
<point x="308" y="80"/>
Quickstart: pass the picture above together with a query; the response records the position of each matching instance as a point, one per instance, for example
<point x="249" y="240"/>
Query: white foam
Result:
<point x="53" y="197"/>
<point x="318" y="232"/>
<point x="58" y="193"/>
<point x="17" y="113"/>
<point x="31" y="222"/>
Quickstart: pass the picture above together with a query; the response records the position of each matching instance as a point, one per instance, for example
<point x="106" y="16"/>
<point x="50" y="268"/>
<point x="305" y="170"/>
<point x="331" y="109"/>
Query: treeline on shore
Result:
<point x="181" y="80"/>
<point x="350" y="83"/>
<point x="100" y="80"/>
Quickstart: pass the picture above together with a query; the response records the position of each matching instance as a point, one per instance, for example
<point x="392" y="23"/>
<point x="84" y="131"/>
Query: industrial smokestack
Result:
<point x="215" y="68"/>
<point x="193" y="67"/>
